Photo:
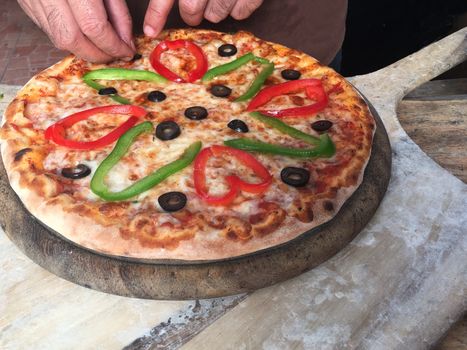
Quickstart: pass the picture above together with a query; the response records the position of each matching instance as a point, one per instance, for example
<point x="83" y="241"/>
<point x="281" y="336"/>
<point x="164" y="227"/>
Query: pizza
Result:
<point x="205" y="146"/>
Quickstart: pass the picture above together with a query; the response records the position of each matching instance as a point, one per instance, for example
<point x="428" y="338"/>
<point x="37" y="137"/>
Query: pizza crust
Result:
<point x="56" y="210"/>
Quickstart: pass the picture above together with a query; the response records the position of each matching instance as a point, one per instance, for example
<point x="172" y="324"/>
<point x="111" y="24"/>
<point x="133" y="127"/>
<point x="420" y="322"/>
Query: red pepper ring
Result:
<point x="57" y="131"/>
<point x="235" y="183"/>
<point x="313" y="88"/>
<point x="195" y="50"/>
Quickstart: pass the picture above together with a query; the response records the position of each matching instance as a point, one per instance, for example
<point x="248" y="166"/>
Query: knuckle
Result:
<point x="224" y="5"/>
<point x="93" y="28"/>
<point x="154" y="12"/>
<point x="190" y="7"/>
<point x="219" y="10"/>
<point x="66" y="41"/>
<point x="54" y="16"/>
<point x="245" y="9"/>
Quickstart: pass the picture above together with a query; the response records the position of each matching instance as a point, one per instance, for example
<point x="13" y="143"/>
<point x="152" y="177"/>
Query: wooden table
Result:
<point x="435" y="117"/>
<point x="400" y="284"/>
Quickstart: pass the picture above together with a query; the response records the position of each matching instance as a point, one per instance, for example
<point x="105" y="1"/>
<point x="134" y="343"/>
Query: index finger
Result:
<point x="156" y="16"/>
<point x="119" y="16"/>
<point x="93" y="22"/>
<point x="192" y="11"/>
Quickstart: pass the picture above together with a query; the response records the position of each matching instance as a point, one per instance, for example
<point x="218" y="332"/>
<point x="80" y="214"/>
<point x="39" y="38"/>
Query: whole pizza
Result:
<point x="205" y="146"/>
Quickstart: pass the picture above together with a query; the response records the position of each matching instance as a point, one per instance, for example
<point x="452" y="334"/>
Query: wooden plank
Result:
<point x="180" y="329"/>
<point x="440" y="90"/>
<point x="440" y="129"/>
<point x="456" y="338"/>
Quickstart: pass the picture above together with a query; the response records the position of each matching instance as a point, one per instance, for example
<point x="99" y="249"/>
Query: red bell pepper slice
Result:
<point x="235" y="183"/>
<point x="57" y="131"/>
<point x="313" y="88"/>
<point x="195" y="50"/>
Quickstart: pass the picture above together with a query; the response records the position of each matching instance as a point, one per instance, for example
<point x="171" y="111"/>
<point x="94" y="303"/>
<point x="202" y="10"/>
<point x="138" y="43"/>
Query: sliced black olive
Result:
<point x="172" y="201"/>
<point x="220" y="90"/>
<point x="291" y="74"/>
<point x="328" y="205"/>
<point x="76" y="172"/>
<point x="156" y="96"/>
<point x="137" y="56"/>
<point x="196" y="113"/>
<point x="19" y="155"/>
<point x="238" y="125"/>
<point x="296" y="177"/>
<point x="108" y="91"/>
<point x="227" y="50"/>
<point x="167" y="130"/>
<point x="321" y="125"/>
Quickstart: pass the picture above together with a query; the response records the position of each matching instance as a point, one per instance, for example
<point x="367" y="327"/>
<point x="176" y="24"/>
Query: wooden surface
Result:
<point x="155" y="279"/>
<point x="434" y="115"/>
<point x="399" y="284"/>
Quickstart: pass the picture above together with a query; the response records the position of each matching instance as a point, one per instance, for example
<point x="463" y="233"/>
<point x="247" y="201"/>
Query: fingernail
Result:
<point x="127" y="59"/>
<point x="149" y="31"/>
<point x="130" y="43"/>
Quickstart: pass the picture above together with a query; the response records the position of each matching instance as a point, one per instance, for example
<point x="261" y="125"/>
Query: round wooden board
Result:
<point x="193" y="280"/>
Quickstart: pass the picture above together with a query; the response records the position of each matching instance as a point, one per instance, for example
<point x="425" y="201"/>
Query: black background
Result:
<point x="380" y="32"/>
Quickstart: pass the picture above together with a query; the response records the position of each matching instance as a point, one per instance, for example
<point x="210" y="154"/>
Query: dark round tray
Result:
<point x="157" y="279"/>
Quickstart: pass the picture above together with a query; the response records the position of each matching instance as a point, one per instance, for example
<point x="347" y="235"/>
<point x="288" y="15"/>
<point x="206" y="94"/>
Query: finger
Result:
<point x="217" y="10"/>
<point x="120" y="17"/>
<point x="65" y="33"/>
<point x="156" y="16"/>
<point x="192" y="11"/>
<point x="92" y="20"/>
<point x="31" y="12"/>
<point x="244" y="8"/>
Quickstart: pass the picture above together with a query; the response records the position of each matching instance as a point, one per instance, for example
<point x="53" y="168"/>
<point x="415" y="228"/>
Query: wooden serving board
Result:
<point x="157" y="279"/>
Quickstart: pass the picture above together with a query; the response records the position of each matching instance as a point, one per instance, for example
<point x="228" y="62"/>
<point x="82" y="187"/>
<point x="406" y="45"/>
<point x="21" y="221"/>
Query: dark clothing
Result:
<point x="316" y="27"/>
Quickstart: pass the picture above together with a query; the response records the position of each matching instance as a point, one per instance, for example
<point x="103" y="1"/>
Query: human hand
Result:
<point x="193" y="12"/>
<point x="95" y="30"/>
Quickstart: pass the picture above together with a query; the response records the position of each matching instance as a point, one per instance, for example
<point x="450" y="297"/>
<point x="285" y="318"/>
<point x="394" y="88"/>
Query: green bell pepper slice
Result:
<point x="325" y="149"/>
<point x="124" y="74"/>
<point x="324" y="145"/>
<point x="257" y="83"/>
<point x="120" y="74"/>
<point x="235" y="64"/>
<point x="286" y="129"/>
<point x="98" y="185"/>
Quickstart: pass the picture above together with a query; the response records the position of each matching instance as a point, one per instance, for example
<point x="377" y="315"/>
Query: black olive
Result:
<point x="220" y="90"/>
<point x="108" y="91"/>
<point x="296" y="177"/>
<point x="196" y="113"/>
<point x="156" y="96"/>
<point x="291" y="74"/>
<point x="19" y="155"/>
<point x="137" y="56"/>
<point x="321" y="125"/>
<point x="167" y="130"/>
<point x="172" y="201"/>
<point x="238" y="125"/>
<point x="328" y="205"/>
<point x="227" y="50"/>
<point x="77" y="172"/>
